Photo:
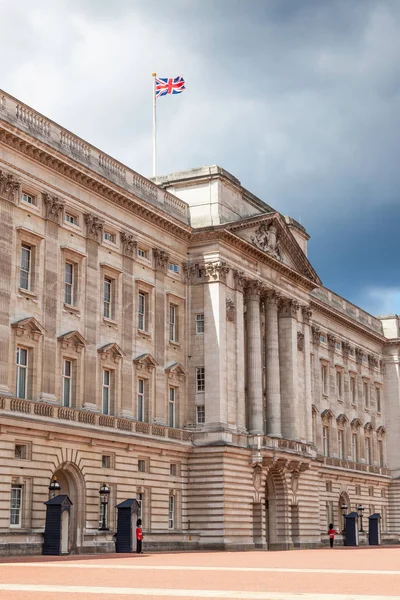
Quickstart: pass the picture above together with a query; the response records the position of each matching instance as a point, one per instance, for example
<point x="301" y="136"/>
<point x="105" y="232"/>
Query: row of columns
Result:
<point x="288" y="413"/>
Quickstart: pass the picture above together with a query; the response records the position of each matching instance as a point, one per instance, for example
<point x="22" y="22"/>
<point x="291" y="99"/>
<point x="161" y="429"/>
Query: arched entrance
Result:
<point x="343" y="500"/>
<point x="277" y="518"/>
<point x="72" y="484"/>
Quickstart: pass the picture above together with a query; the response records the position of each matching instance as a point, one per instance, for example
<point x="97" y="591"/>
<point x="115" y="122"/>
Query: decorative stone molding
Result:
<point x="346" y="349"/>
<point x="380" y="432"/>
<point x="373" y="361"/>
<point x="176" y="371"/>
<point x="369" y="427"/>
<point x="331" y="341"/>
<point x="253" y="289"/>
<point x="230" y="310"/>
<point x="29" y="327"/>
<point x="129" y="244"/>
<point x="54" y="207"/>
<point x="215" y="271"/>
<point x="111" y="351"/>
<point x="257" y="477"/>
<point x="314" y="409"/>
<point x="240" y="280"/>
<point x="95" y="227"/>
<point x="356" y="424"/>
<point x="300" y="341"/>
<point x="272" y="298"/>
<point x="161" y="258"/>
<point x="9" y="186"/>
<point x="288" y="307"/>
<point x="342" y="420"/>
<point x="145" y="361"/>
<point x="74" y="340"/>
<point x="307" y="313"/>
<point x="359" y="355"/>
<point x="316" y="334"/>
<point x="267" y="239"/>
<point x="327" y="416"/>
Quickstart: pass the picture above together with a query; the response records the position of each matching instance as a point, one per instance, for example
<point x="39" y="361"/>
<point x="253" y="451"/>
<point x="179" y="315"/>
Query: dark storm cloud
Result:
<point x="300" y="99"/>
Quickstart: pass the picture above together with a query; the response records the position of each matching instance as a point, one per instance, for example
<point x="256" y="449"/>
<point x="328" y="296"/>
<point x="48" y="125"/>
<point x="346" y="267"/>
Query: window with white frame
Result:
<point x="325" y="440"/>
<point x="71" y="219"/>
<point x="140" y="400"/>
<point x="354" y="447"/>
<point x="171" y="512"/>
<point x="366" y="394"/>
<point x="69" y="291"/>
<point x="339" y="384"/>
<point x="200" y="379"/>
<point x="26" y="267"/>
<point x="173" y="267"/>
<point x="108" y="285"/>
<point x="67" y="383"/>
<point x="109" y="237"/>
<point x="353" y="389"/>
<point x="140" y="498"/>
<point x="341" y="443"/>
<point x="199" y="323"/>
<point x="172" y="407"/>
<point x="143" y="465"/>
<point x="378" y="399"/>
<point x="29" y="198"/>
<point x="200" y="414"/>
<point x="173" y="323"/>
<point x="381" y="453"/>
<point x="106" y="395"/>
<point x="142" y="253"/>
<point x="324" y="378"/>
<point x="22" y="372"/>
<point x="21" y="451"/>
<point x="368" y="450"/>
<point x="16" y="506"/>
<point x="142" y="311"/>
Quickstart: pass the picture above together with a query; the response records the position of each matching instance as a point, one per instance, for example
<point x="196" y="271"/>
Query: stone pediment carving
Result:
<point x="73" y="339"/>
<point x="327" y="415"/>
<point x="176" y="370"/>
<point x="267" y="239"/>
<point x="30" y="327"/>
<point x="145" y="361"/>
<point x="112" y="352"/>
<point x="356" y="423"/>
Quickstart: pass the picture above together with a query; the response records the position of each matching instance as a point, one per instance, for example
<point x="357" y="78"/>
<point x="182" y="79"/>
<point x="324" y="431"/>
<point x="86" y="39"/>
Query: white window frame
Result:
<point x="339" y="384"/>
<point x="368" y="450"/>
<point x="200" y="380"/>
<point x="199" y="320"/>
<point x="142" y="310"/>
<point x="174" y="268"/>
<point x="67" y="383"/>
<point x="108" y="299"/>
<point x="173" y="323"/>
<point x="171" y="511"/>
<point x="353" y="390"/>
<point x="109" y="236"/>
<point x="140" y="399"/>
<point x="142" y="253"/>
<point x="325" y="440"/>
<point x="69" y="286"/>
<point x="354" y="447"/>
<point x="71" y="219"/>
<point x="16" y="506"/>
<point x="28" y="198"/>
<point x="106" y="391"/>
<point x="341" y="443"/>
<point x="26" y="268"/>
<point x="381" y="453"/>
<point x="22" y="371"/>
<point x="200" y="414"/>
<point x="172" y="407"/>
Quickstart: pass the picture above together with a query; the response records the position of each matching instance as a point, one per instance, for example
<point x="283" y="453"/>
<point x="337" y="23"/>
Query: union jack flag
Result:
<point x="165" y="85"/>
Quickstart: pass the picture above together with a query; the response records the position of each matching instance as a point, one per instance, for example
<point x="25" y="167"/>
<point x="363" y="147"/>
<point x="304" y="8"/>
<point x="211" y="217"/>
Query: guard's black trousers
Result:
<point x="139" y="546"/>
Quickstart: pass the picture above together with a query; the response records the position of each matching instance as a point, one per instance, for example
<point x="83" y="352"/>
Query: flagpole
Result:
<point x="154" y="127"/>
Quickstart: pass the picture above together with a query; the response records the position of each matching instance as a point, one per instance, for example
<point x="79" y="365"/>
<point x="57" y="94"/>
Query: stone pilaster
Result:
<point x="161" y="259"/>
<point x="273" y="385"/>
<point x="288" y="369"/>
<point x="91" y="372"/>
<point x="254" y="360"/>
<point x="240" y="354"/>
<point x="129" y="251"/>
<point x="316" y="379"/>
<point x="307" y="373"/>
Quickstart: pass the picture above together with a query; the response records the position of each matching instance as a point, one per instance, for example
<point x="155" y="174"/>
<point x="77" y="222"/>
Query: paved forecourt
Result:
<point x="338" y="574"/>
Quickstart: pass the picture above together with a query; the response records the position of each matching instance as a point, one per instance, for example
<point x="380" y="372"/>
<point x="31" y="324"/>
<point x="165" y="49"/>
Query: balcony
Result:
<point x="350" y="465"/>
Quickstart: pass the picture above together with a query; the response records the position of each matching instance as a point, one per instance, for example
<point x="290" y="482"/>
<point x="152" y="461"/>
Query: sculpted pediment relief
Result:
<point x="112" y="352"/>
<point x="29" y="327"/>
<point x="145" y="361"/>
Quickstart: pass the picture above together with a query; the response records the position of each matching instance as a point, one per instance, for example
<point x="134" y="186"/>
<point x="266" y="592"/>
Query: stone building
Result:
<point x="171" y="339"/>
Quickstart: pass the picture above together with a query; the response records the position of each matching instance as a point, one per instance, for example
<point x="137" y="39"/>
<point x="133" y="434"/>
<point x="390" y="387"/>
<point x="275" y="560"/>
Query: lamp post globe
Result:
<point x="360" y="510"/>
<point x="54" y="487"/>
<point x="104" y="492"/>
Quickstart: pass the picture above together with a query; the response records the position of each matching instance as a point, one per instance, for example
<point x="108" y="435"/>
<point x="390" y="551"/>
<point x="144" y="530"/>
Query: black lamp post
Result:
<point x="360" y="510"/>
<point x="104" y="492"/>
<point x="54" y="487"/>
<point x="344" y="512"/>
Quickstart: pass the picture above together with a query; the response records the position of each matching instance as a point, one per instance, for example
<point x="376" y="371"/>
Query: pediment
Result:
<point x="342" y="419"/>
<point x="327" y="415"/>
<point x="356" y="423"/>
<point x="72" y="339"/>
<point x="270" y="234"/>
<point x="146" y="361"/>
<point x="111" y="351"/>
<point x="29" y="326"/>
<point x="369" y="427"/>
<point x="176" y="369"/>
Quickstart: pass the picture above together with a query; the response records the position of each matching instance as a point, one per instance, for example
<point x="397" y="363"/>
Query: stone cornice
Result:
<point x="84" y="176"/>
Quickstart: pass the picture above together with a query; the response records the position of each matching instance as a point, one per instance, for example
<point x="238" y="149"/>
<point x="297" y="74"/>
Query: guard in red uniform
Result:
<point x="139" y="536"/>
<point x="332" y="532"/>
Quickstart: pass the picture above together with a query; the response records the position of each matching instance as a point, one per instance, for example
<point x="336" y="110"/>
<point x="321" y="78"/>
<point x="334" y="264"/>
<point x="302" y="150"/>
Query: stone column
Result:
<point x="316" y="388"/>
<point x="273" y="384"/>
<point x="307" y="373"/>
<point x="129" y="251"/>
<point x="254" y="358"/>
<point x="240" y="354"/>
<point x="290" y="413"/>
<point x="161" y="259"/>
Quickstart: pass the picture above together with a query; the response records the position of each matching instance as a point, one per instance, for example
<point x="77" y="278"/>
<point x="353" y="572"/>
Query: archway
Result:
<point x="72" y="484"/>
<point x="277" y="518"/>
<point x="343" y="499"/>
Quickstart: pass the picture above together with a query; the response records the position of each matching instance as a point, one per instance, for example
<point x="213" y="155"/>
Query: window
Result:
<point x="324" y="378"/>
<point x="171" y="407"/>
<point x="142" y="465"/>
<point x="354" y="447"/>
<point x="353" y="390"/>
<point x="366" y="394"/>
<point x="341" y="443"/>
<point x="29" y="198"/>
<point x="16" y="506"/>
<point x="106" y="392"/>
<point x="139" y="498"/>
<point x="69" y="284"/>
<point x="358" y="490"/>
<point x="171" y="512"/>
<point x="378" y="399"/>
<point x="199" y="324"/>
<point x="200" y="415"/>
<point x="173" y="469"/>
<point x="322" y="338"/>
<point x="329" y="486"/>
<point x="368" y="450"/>
<point x="325" y="440"/>
<point x="200" y="379"/>
<point x="140" y="400"/>
<point x="72" y="219"/>
<point x="142" y="311"/>
<point x="338" y="345"/>
<point x="339" y="384"/>
<point x="22" y="372"/>
<point x="173" y="267"/>
<point x="21" y="451"/>
<point x="109" y="237"/>
<point x="26" y="267"/>
<point x="173" y="325"/>
<point x="106" y="461"/>
<point x="142" y="252"/>
<point x="67" y="382"/>
<point x="381" y="453"/>
<point x="108" y="298"/>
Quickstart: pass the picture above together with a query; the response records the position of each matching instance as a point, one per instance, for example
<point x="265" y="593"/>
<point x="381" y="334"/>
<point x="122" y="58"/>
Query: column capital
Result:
<point x="272" y="298"/>
<point x="307" y="313"/>
<point x="346" y="349"/>
<point x="129" y="244"/>
<point x="9" y="186"/>
<point x="161" y="258"/>
<point x="215" y="271"/>
<point x="54" y="207"/>
<point x="331" y="341"/>
<point x="240" y="280"/>
<point x="253" y="289"/>
<point x="316" y="334"/>
<point x="288" y="307"/>
<point x="94" y="227"/>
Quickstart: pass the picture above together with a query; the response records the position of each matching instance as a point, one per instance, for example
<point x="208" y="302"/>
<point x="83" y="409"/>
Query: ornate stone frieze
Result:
<point x="346" y="348"/>
<point x="230" y="310"/>
<point x="215" y="271"/>
<point x="129" y="244"/>
<point x="267" y="239"/>
<point x="331" y="341"/>
<point x="373" y="361"/>
<point x="288" y="307"/>
<point x="240" y="280"/>
<point x="54" y="207"/>
<point x="95" y="227"/>
<point x="359" y="355"/>
<point x="300" y="341"/>
<point x="161" y="258"/>
<point x="307" y="313"/>
<point x="9" y="186"/>
<point x="316" y="334"/>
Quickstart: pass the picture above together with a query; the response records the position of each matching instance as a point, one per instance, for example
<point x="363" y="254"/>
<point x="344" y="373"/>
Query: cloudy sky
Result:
<point x="299" y="99"/>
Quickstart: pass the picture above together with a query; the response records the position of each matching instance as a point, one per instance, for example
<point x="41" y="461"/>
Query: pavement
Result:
<point x="324" y="574"/>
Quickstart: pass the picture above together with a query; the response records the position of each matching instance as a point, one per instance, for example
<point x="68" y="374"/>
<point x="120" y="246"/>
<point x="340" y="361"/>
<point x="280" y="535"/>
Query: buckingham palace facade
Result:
<point x="169" y="338"/>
